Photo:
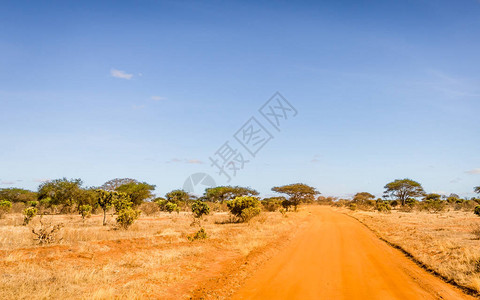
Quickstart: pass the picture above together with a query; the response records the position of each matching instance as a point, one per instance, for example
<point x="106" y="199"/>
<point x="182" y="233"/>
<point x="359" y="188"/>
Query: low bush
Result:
<point x="5" y="207"/>
<point x="171" y="207"/>
<point x="85" y="211"/>
<point x="273" y="203"/>
<point x="29" y="213"/>
<point x="477" y="210"/>
<point x="244" y="207"/>
<point x="382" y="206"/>
<point x="352" y="206"/>
<point x="149" y="208"/>
<point x="287" y="204"/>
<point x="199" y="235"/>
<point x="126" y="217"/>
<point x="47" y="233"/>
<point x="200" y="209"/>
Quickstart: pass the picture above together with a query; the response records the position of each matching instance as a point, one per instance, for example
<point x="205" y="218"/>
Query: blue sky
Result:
<point x="152" y="89"/>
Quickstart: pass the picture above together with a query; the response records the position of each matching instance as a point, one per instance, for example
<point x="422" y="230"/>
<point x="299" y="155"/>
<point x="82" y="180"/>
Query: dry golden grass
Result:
<point x="447" y="242"/>
<point x="153" y="259"/>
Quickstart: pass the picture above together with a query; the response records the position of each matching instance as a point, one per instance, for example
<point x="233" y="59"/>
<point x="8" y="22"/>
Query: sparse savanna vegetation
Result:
<point x="74" y="237"/>
<point x="439" y="231"/>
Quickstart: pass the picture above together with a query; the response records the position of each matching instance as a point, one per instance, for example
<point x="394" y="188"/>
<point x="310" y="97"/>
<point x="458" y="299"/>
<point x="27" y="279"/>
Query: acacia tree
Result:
<point x="402" y="189"/>
<point x="363" y="197"/>
<point x="297" y="192"/>
<point x="225" y="193"/>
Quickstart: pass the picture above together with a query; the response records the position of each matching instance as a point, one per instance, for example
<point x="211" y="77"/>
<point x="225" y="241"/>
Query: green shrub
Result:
<point x="85" y="211"/>
<point x="199" y="235"/>
<point x="382" y="206"/>
<point x="287" y="204"/>
<point x="434" y="205"/>
<point x="273" y="203"/>
<point x="126" y="217"/>
<point x="121" y="201"/>
<point x="29" y="213"/>
<point x="477" y="210"/>
<point x="32" y="203"/>
<point x="244" y="207"/>
<point x="200" y="209"/>
<point x="5" y="207"/>
<point x="171" y="207"/>
<point x="352" y="206"/>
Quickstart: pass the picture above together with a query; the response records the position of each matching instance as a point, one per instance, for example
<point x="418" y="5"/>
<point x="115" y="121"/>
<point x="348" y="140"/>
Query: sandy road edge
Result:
<point x="465" y="289"/>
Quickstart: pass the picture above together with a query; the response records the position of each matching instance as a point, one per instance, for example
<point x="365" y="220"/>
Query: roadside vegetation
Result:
<point x="441" y="232"/>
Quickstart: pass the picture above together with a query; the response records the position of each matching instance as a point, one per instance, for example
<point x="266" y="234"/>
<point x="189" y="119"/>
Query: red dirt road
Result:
<point x="336" y="257"/>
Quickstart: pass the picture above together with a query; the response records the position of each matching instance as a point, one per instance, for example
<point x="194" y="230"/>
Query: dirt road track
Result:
<point x="336" y="257"/>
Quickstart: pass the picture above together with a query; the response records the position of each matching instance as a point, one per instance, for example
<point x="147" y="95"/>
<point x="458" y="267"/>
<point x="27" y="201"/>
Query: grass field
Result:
<point x="152" y="259"/>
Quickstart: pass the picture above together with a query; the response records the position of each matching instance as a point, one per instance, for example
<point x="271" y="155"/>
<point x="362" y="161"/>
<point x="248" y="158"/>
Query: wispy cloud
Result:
<point x="187" y="161"/>
<point x="41" y="180"/>
<point x="473" y="171"/>
<point x="120" y="74"/>
<point x="141" y="106"/>
<point x="158" y="98"/>
<point x="194" y="161"/>
<point x="315" y="159"/>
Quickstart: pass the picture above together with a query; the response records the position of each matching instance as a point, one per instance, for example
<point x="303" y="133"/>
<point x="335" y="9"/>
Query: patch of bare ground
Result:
<point x="446" y="243"/>
<point x="153" y="259"/>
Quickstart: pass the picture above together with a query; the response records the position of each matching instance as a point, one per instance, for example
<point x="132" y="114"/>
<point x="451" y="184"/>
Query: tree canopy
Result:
<point x="225" y="193"/>
<point x="297" y="192"/>
<point x="177" y="196"/>
<point x="61" y="191"/>
<point x="363" y="197"/>
<point x="137" y="191"/>
<point x="477" y="189"/>
<point x="17" y="195"/>
<point x="113" y="184"/>
<point x="402" y="189"/>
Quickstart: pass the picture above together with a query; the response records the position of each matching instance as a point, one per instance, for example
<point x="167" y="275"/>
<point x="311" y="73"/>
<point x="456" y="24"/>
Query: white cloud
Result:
<point x="158" y="98"/>
<point x="41" y="180"/>
<point x="194" y="161"/>
<point x="120" y="74"/>
<point x="187" y="161"/>
<point x="473" y="171"/>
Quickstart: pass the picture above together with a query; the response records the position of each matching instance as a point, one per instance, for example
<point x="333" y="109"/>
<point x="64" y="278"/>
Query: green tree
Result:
<point x="402" y="189"/>
<point x="113" y="184"/>
<point x="477" y="189"/>
<point x="17" y="195"/>
<point x="363" y="198"/>
<point x="105" y="200"/>
<point x="297" y="192"/>
<point x="225" y="193"/>
<point x="61" y="191"/>
<point x="137" y="191"/>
